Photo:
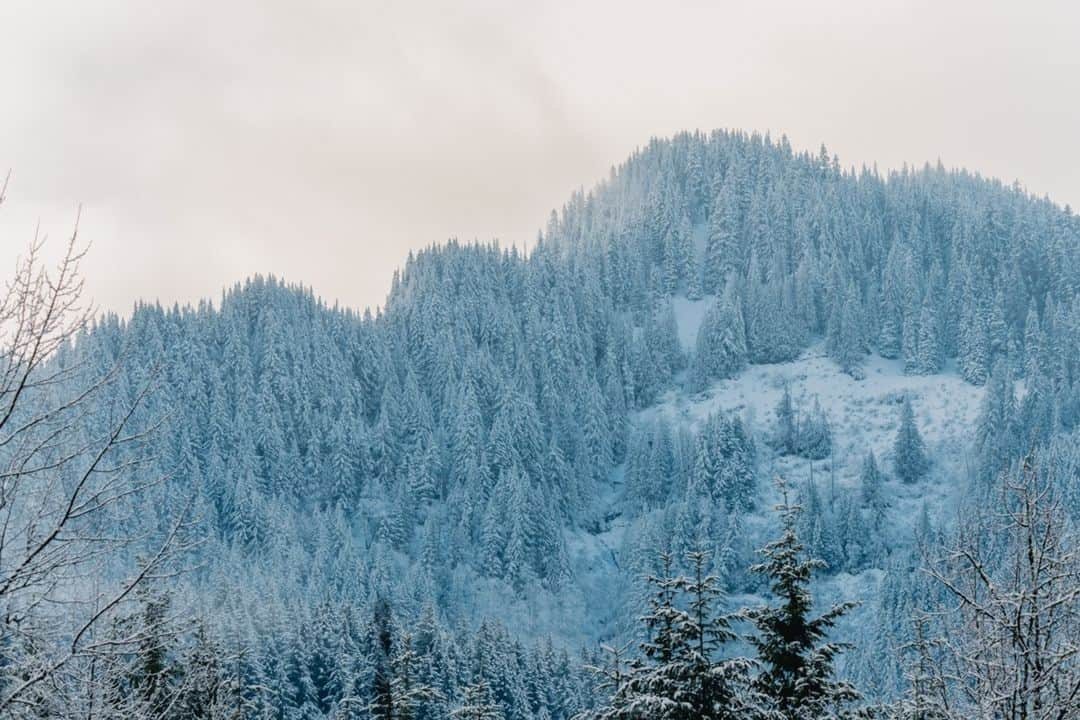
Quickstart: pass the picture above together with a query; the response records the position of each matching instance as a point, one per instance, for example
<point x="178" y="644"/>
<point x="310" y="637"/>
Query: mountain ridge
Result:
<point x="461" y="452"/>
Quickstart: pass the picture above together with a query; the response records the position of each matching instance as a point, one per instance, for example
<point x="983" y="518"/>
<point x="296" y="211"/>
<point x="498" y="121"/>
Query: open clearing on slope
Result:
<point x="863" y="415"/>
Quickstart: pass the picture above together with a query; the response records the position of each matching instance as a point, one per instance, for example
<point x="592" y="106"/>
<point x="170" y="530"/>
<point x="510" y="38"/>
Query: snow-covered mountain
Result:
<point x="498" y="454"/>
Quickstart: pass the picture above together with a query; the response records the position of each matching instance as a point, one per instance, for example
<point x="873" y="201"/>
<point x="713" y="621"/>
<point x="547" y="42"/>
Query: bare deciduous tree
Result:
<point x="69" y="447"/>
<point x="1013" y="635"/>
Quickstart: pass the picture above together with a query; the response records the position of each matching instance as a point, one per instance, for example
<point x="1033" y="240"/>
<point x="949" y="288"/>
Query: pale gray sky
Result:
<point x="322" y="140"/>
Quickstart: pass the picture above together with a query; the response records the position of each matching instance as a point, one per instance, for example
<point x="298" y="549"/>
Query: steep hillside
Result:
<point x="514" y="437"/>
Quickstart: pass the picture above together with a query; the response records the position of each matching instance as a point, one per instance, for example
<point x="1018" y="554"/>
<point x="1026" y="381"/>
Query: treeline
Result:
<point x="997" y="637"/>
<point x="353" y="662"/>
<point x="924" y="265"/>
<point x="341" y="662"/>
<point x="447" y="450"/>
<point x="481" y="412"/>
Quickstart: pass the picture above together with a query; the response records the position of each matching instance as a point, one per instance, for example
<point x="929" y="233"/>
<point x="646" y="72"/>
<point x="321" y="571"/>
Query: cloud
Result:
<point x="323" y="140"/>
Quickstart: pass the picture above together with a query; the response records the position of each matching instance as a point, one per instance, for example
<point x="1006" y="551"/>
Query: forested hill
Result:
<point x="452" y="457"/>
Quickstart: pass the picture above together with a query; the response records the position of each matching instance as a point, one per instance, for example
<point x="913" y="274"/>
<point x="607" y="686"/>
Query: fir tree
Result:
<point x="204" y="692"/>
<point x="909" y="453"/>
<point x="683" y="674"/>
<point x="477" y="704"/>
<point x="717" y="688"/>
<point x="870" y="484"/>
<point x="815" y="435"/>
<point x="796" y="659"/>
<point x="786" y="423"/>
<point x="930" y="355"/>
<point x="1033" y="341"/>
<point x="721" y="345"/>
<point x="383" y="697"/>
<point x="407" y="691"/>
<point x="844" y="339"/>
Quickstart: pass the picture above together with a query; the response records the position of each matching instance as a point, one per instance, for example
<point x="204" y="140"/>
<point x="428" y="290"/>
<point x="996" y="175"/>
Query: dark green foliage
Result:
<point x="871" y="484"/>
<point x="721" y="344"/>
<point x="806" y="435"/>
<point x="476" y="704"/>
<point x="682" y="673"/>
<point x="795" y="656"/>
<point x="909" y="453"/>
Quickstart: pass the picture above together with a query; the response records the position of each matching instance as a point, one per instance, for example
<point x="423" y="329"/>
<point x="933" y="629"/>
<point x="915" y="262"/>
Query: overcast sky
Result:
<point x="321" y="140"/>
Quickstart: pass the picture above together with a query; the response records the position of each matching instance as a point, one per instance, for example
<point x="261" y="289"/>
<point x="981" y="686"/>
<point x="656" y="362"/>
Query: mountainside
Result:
<point x="509" y="442"/>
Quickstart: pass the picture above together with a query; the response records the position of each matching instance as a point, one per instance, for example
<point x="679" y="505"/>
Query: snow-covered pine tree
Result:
<point x="931" y="356"/>
<point x="1033" y="341"/>
<point x="203" y="695"/>
<point x="795" y="656"/>
<point x="720" y="350"/>
<point x="974" y="344"/>
<point x="718" y="688"/>
<point x="815" y="435"/>
<point x="683" y="673"/>
<point x="407" y="690"/>
<point x="996" y="441"/>
<point x="477" y="703"/>
<point x="909" y="452"/>
<point x="845" y="338"/>
<point x="722" y="251"/>
<point x="786" y="423"/>
<point x="382" y="705"/>
<point x="871" y="483"/>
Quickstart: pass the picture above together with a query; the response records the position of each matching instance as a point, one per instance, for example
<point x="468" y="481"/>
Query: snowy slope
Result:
<point x="864" y="414"/>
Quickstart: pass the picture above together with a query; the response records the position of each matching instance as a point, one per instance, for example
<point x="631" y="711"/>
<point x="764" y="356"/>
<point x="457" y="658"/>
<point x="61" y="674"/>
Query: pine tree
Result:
<point x="909" y="459"/>
<point x="493" y="536"/>
<point x="786" y="428"/>
<point x="844" y="339"/>
<point x="995" y="433"/>
<point x="717" y="688"/>
<point x="998" y="327"/>
<point x="815" y="435"/>
<point x="720" y="350"/>
<point x="722" y="252"/>
<point x="888" y="344"/>
<point x="652" y="691"/>
<point x="407" y="692"/>
<point x="1033" y="341"/>
<point x="152" y="676"/>
<point x="974" y="345"/>
<point x="204" y="686"/>
<point x="477" y="703"/>
<point x="383" y="698"/>
<point x="796" y="659"/>
<point x="930" y="355"/>
<point x="682" y="674"/>
<point x="870" y="484"/>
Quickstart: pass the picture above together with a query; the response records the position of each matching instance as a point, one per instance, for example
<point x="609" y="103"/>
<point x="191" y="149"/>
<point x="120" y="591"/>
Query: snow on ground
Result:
<point x="863" y="414"/>
<point x="688" y="317"/>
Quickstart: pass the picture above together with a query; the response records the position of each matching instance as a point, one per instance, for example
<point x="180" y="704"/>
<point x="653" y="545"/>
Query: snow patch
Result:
<point x="863" y="414"/>
<point x="689" y="315"/>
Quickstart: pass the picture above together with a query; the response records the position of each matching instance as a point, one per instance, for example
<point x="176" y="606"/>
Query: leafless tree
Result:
<point x="69" y="449"/>
<point x="1013" y="635"/>
<point x="927" y="696"/>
